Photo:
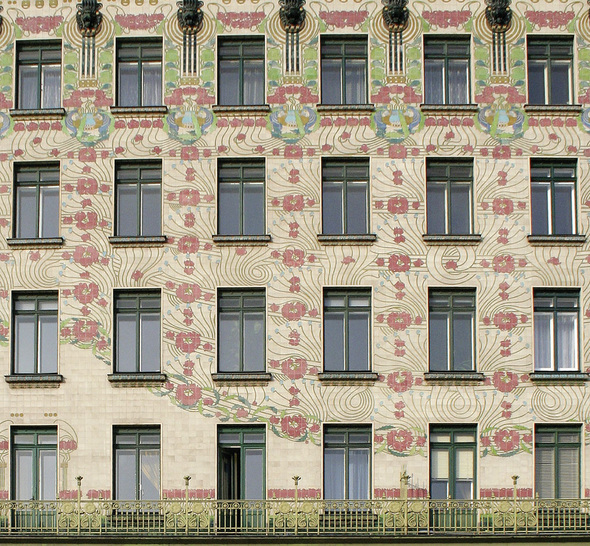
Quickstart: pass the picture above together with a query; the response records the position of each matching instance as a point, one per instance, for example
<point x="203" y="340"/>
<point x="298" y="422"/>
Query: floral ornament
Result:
<point x="189" y="122"/>
<point x="502" y="122"/>
<point x="88" y="124"/>
<point x="4" y="331"/>
<point x="36" y="25"/>
<point x="395" y="123"/>
<point x="87" y="334"/>
<point x="292" y="121"/>
<point x="505" y="381"/>
<point x="400" y="442"/>
<point x="4" y="123"/>
<point x="505" y="442"/>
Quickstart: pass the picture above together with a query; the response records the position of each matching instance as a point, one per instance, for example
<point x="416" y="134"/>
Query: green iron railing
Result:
<point x="297" y="517"/>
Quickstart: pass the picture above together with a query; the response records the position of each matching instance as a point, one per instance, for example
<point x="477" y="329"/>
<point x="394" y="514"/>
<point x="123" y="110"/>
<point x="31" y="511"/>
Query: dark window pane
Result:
<point x="152" y="84"/>
<point x="560" y="82"/>
<point x="331" y="81"/>
<point x="332" y="213"/>
<point x="253" y="81"/>
<point x="29" y="87"/>
<point x="564" y="209"/>
<point x="356" y="208"/>
<point x="254" y="342"/>
<point x="128" y="84"/>
<point x="438" y="337"/>
<point x="47" y="344"/>
<point x="127" y="212"/>
<point x="334" y="473"/>
<point x="536" y="75"/>
<point x="334" y="342"/>
<point x="229" y="209"/>
<point x="51" y="86"/>
<point x="434" y="82"/>
<point x="358" y="342"/>
<point x="150" y="343"/>
<point x="356" y="77"/>
<point x="49" y="212"/>
<point x="462" y="342"/>
<point x="126" y="343"/>
<point x="458" y="81"/>
<point x="26" y="210"/>
<point x="436" y="207"/>
<point x="253" y="208"/>
<point x="151" y="209"/>
<point x="25" y="360"/>
<point x="460" y="209"/>
<point x="540" y="211"/>
<point x="229" y="342"/>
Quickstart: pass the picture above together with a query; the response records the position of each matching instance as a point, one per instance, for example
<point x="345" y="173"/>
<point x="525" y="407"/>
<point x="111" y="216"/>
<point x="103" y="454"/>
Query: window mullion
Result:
<point x="242" y="335"/>
<point x="345" y="203"/>
<point x="137" y="339"/>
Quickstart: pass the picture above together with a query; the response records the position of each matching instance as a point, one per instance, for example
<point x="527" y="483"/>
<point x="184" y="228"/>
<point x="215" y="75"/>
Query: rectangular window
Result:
<point x="556" y="330"/>
<point x="241" y="331"/>
<point x="347" y="330"/>
<point x="34" y="463"/>
<point x="38" y="68"/>
<point x="446" y="70"/>
<point x="137" y="332"/>
<point x="36" y="207"/>
<point x="550" y="70"/>
<point x="553" y="197"/>
<point x="451" y="330"/>
<point x="139" y="198"/>
<point x="241" y="197"/>
<point x="136" y="465"/>
<point x="452" y="462"/>
<point x="241" y="71"/>
<point x="449" y="197"/>
<point x="347" y="462"/>
<point x="345" y="196"/>
<point x="344" y="70"/>
<point x="557" y="462"/>
<point x="139" y="73"/>
<point x="241" y="462"/>
<point x="35" y="337"/>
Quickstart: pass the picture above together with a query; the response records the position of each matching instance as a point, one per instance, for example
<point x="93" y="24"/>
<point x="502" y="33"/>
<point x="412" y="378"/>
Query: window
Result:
<point x="36" y="201"/>
<point x="137" y="332"/>
<point x="451" y="330"/>
<point x="344" y="70"/>
<point x="452" y="462"/>
<point x="347" y="335"/>
<point x="347" y="462"/>
<point x="550" y="68"/>
<point x="241" y="71"/>
<point x="556" y="330"/>
<point x="446" y="70"/>
<point x="136" y="469"/>
<point x="138" y="199"/>
<point x="35" y="333"/>
<point x="38" y="75"/>
<point x="241" y="331"/>
<point x="241" y="197"/>
<point x="449" y="199"/>
<point x="345" y="196"/>
<point x="241" y="462"/>
<point x="34" y="463"/>
<point x="139" y="73"/>
<point x="553" y="197"/>
<point x="557" y="462"/>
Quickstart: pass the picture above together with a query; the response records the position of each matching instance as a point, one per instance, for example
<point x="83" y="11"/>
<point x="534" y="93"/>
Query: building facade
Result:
<point x="294" y="253"/>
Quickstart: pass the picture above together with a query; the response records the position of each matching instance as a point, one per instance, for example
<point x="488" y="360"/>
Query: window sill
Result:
<point x="348" y="378"/>
<point x="250" y="240"/>
<point x="474" y="239"/>
<point x="447" y="109"/>
<point x="345" y="238"/>
<point x="141" y="379"/>
<point x="239" y="109"/>
<point x="553" y="109"/>
<point x="35" y="242"/>
<point x="133" y="111"/>
<point x="559" y="377"/>
<point x="345" y="108"/>
<point x="556" y="240"/>
<point x="156" y="240"/>
<point x="34" y="380"/>
<point x="455" y="377"/>
<point x="244" y="378"/>
<point x="41" y="113"/>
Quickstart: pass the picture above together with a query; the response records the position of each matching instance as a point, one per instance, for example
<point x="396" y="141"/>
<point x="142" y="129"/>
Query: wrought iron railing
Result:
<point x="384" y="517"/>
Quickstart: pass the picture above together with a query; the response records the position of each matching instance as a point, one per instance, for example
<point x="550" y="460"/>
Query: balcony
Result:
<point x="63" y="519"/>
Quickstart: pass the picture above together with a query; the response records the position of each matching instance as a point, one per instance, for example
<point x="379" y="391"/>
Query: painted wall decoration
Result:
<point x="293" y="137"/>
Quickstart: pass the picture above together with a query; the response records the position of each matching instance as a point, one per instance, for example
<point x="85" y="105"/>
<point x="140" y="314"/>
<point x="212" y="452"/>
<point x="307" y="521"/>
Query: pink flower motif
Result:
<point x="188" y="244"/>
<point x="447" y="18"/>
<point x="399" y="320"/>
<point x="292" y="203"/>
<point x="485" y="441"/>
<point x="85" y="330"/>
<point x="188" y="395"/>
<point x="397" y="151"/>
<point x="451" y="264"/>
<point x="188" y="342"/>
<point x="139" y="22"/>
<point x="241" y="19"/>
<point x="399" y="263"/>
<point x="293" y="257"/>
<point x="505" y="321"/>
<point x="188" y="153"/>
<point x="507" y="440"/>
<point x="294" y="426"/>
<point x="241" y="413"/>
<point x="397" y="205"/>
<point x="505" y="381"/>
<point x="503" y="264"/>
<point x="87" y="186"/>
<point x="294" y="368"/>
<point x="343" y="19"/>
<point x="86" y="293"/>
<point x="86" y="220"/>
<point x="85" y="255"/>
<point x="400" y="381"/>
<point x="87" y="155"/>
<point x="501" y="152"/>
<point x="188" y="292"/>
<point x="502" y="206"/>
<point x="399" y="440"/>
<point x="189" y="197"/>
<point x="294" y="283"/>
<point x="35" y="25"/>
<point x="293" y="311"/>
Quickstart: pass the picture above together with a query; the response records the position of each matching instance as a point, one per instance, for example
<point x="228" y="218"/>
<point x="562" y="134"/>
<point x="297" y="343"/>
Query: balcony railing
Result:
<point x="305" y="518"/>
